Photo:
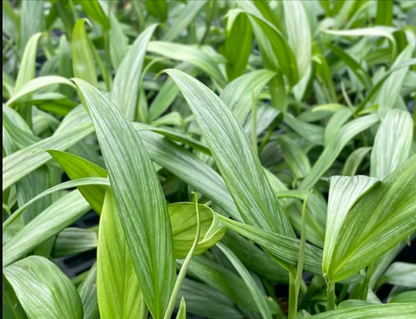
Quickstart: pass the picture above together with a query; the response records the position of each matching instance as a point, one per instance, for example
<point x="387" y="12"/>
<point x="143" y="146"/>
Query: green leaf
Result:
<point x="168" y="93"/>
<point x="207" y="302"/>
<point x="311" y="132"/>
<point x="82" y="59"/>
<point x="390" y="90"/>
<point x="32" y="21"/>
<point x="136" y="189"/>
<point x="118" y="42"/>
<point x="36" y="84"/>
<point x="238" y="94"/>
<point x="408" y="296"/>
<point x="226" y="139"/>
<point x="392" y="143"/>
<point x="94" y="11"/>
<point x="12" y="309"/>
<point x="376" y="223"/>
<point x="299" y="34"/>
<point x="43" y="290"/>
<point x="384" y="12"/>
<point x="281" y="247"/>
<point x="88" y="293"/>
<point x="331" y="152"/>
<point x="27" y="66"/>
<point x="184" y="223"/>
<point x="182" y="310"/>
<point x="400" y="274"/>
<point x="226" y="282"/>
<point x="158" y="8"/>
<point x="76" y="167"/>
<point x="126" y="82"/>
<point x="396" y="311"/>
<point x="377" y="31"/>
<point x="22" y="162"/>
<point x="190" y="54"/>
<point x="184" y="18"/>
<point x="176" y="136"/>
<point x="73" y="240"/>
<point x="59" y="187"/>
<point x="344" y="192"/>
<point x="61" y="214"/>
<point x="254" y="258"/>
<point x="355" y="67"/>
<point x="294" y="156"/>
<point x="249" y="281"/>
<point x="354" y="160"/>
<point x="190" y="169"/>
<point x="118" y="289"/>
<point x="238" y="44"/>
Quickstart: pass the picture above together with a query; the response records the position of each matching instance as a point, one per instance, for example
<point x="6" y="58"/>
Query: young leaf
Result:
<point x="118" y="289"/>
<point x="82" y="60"/>
<point x="354" y="160"/>
<point x="238" y="44"/>
<point x="184" y="224"/>
<point x="344" y="192"/>
<point x="43" y="290"/>
<point x="392" y="143"/>
<point x="136" y="189"/>
<point x="377" y="223"/>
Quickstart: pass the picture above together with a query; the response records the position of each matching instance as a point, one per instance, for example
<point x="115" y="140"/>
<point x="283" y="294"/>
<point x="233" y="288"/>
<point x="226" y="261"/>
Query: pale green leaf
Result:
<point x="43" y="290"/>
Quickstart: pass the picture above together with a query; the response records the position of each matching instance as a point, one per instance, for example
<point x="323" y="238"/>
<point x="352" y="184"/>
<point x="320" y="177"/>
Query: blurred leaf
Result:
<point x="43" y="290"/>
<point x="354" y="160"/>
<point x="190" y="54"/>
<point x="294" y="156"/>
<point x="32" y="21"/>
<point x="384" y="12"/>
<point x="396" y="311"/>
<point x="82" y="59"/>
<point x="94" y="11"/>
<point x="73" y="240"/>
<point x="158" y="8"/>
<point x="238" y="44"/>
<point x="399" y="274"/>
<point x="186" y="16"/>
<point x="238" y="94"/>
<point x="27" y="66"/>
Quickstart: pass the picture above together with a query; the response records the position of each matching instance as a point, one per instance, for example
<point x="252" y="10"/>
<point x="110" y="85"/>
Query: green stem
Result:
<point x="184" y="268"/>
<point x="266" y="138"/>
<point x="330" y="293"/>
<point x="293" y="297"/>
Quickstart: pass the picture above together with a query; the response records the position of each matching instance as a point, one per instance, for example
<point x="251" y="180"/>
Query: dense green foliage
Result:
<point x="245" y="159"/>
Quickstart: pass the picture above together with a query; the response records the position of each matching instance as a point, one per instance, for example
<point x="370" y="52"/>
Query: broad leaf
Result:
<point x="43" y="290"/>
<point x="138" y="196"/>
